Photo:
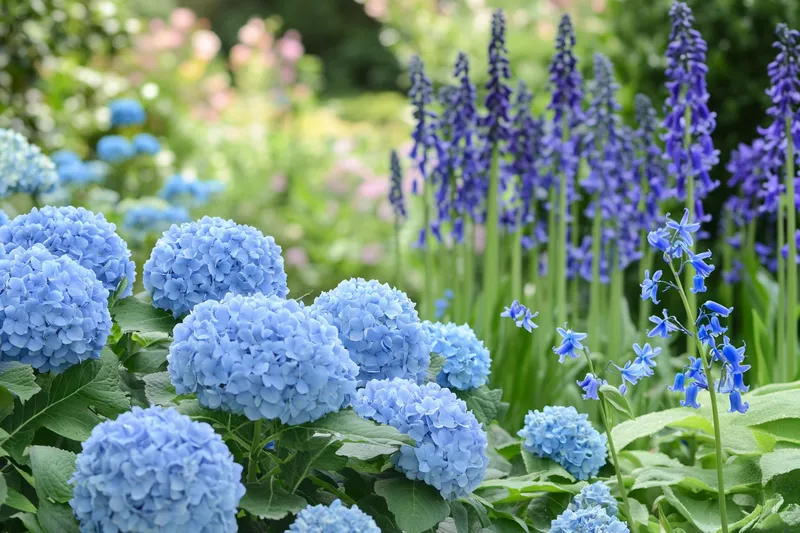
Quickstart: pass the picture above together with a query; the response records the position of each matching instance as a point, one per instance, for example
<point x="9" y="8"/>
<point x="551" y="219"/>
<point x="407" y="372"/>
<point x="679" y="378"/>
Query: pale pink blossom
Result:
<point x="250" y="34"/>
<point x="279" y="182"/>
<point x="221" y="99"/>
<point x="296" y="256"/>
<point x="385" y="212"/>
<point x="376" y="8"/>
<point x="374" y="188"/>
<point x="371" y="254"/>
<point x="289" y="46"/>
<point x="205" y="44"/>
<point x="240" y="54"/>
<point x="182" y="18"/>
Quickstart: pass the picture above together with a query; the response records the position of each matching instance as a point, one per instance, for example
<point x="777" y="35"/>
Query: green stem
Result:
<point x="574" y="288"/>
<point x="516" y="266"/>
<point x="646" y="263"/>
<point x="712" y="394"/>
<point x="780" y="345"/>
<point x="428" y="299"/>
<point x="791" y="265"/>
<point x="492" y="251"/>
<point x="690" y="200"/>
<point x="561" y="269"/>
<point x="614" y="318"/>
<point x="469" y="270"/>
<point x="595" y="288"/>
<point x="397" y="254"/>
<point x="552" y="256"/>
<point x="252" y="463"/>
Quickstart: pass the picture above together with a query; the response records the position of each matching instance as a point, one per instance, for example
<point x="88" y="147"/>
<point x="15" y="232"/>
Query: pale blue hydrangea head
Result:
<point x="64" y="157"/>
<point x="591" y="520"/>
<point x="264" y="357"/>
<point x="23" y="166"/>
<point x="207" y="259"/>
<point x="335" y="518"/>
<point x="54" y="313"/>
<point x="126" y="112"/>
<point x="155" y="470"/>
<point x="450" y="453"/>
<point x="597" y="494"/>
<point x="567" y="437"/>
<point x="182" y="190"/>
<point x="115" y="149"/>
<point x="86" y="237"/>
<point x="144" y="219"/>
<point x="380" y="328"/>
<point x="146" y="144"/>
<point x="467" y="362"/>
<point x="3" y="217"/>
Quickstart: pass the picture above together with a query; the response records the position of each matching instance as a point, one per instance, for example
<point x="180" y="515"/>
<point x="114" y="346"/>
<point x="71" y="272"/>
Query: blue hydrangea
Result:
<point x="597" y="494"/>
<point x="591" y="520"/>
<point x="54" y="313"/>
<point x="3" y="217"/>
<point x="146" y="144"/>
<point x="86" y="237"/>
<point x="115" y="149"/>
<point x="144" y="219"/>
<point x="207" y="259"/>
<point x="23" y="166"/>
<point x="190" y="192"/>
<point x="126" y="112"/>
<point x="79" y="173"/>
<point x="335" y="518"/>
<point x="264" y="357"/>
<point x="467" y="363"/>
<point x="380" y="328"/>
<point x="567" y="437"/>
<point x="450" y="453"/>
<point x="64" y="157"/>
<point x="155" y="471"/>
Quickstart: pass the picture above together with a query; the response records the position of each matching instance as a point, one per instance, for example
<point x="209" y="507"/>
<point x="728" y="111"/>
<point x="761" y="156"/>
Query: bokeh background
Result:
<point x="295" y="104"/>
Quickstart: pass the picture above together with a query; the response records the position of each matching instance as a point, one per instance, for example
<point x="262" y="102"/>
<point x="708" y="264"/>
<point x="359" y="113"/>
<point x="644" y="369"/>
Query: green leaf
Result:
<point x="613" y="396"/>
<point x="778" y="462"/>
<point x="3" y="490"/>
<point x="52" y="469"/>
<point x="417" y="507"/>
<point x="57" y="518"/>
<point x="544" y="468"/>
<point x="531" y="483"/>
<point x="639" y="511"/>
<point x="437" y="362"/>
<point x="267" y="500"/>
<point x="486" y="404"/>
<point x="460" y="517"/>
<point x="739" y="477"/>
<point x="30" y="521"/>
<point x="347" y="426"/>
<point x="18" y="379"/>
<point x="365" y="451"/>
<point x="134" y="314"/>
<point x="704" y="514"/>
<point x="17" y="501"/>
<point x="159" y="389"/>
<point x="148" y="360"/>
<point x="6" y="403"/>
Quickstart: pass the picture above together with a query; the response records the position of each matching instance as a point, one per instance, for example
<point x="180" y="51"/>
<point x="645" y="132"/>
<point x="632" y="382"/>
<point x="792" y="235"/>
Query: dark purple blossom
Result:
<point x="396" y="188"/>
<point x="425" y="120"/>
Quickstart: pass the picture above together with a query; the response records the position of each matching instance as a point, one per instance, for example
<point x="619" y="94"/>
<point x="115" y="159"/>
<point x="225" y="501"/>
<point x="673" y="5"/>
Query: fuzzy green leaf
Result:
<point x="18" y="379"/>
<point x="17" y="501"/>
<point x="614" y="397"/>
<point x="52" y="469"/>
<point x="136" y="314"/>
<point x="267" y="500"/>
<point x="486" y="404"/>
<point x="417" y="507"/>
<point x="778" y="462"/>
<point x="159" y="389"/>
<point x="57" y="518"/>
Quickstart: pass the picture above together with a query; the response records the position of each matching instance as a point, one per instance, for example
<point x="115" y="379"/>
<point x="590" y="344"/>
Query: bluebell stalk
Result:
<point x="397" y="200"/>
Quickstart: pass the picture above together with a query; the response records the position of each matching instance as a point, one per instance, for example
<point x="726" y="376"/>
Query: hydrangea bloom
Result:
<point x="126" y="112"/>
<point x="191" y="192"/>
<point x="3" y="217"/>
<point x="207" y="259"/>
<point x="450" y="454"/>
<point x="379" y="327"/>
<point x="146" y="144"/>
<point x="335" y="518"/>
<point x="115" y="149"/>
<point x="145" y="218"/>
<point x="591" y="520"/>
<point x="54" y="313"/>
<point x="156" y="470"/>
<point x="597" y="494"/>
<point x="23" y="166"/>
<point x="467" y="362"/>
<point x="566" y="437"/>
<point x="264" y="357"/>
<point x="86" y="237"/>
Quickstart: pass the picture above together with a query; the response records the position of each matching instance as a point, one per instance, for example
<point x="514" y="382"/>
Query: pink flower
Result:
<point x="375" y="188"/>
<point x="296" y="256"/>
<point x="221" y="99"/>
<point x="376" y="8"/>
<point x="289" y="46"/>
<point x="371" y="254"/>
<point x="252" y="32"/>
<point x="279" y="182"/>
<point x="205" y="44"/>
<point x="288" y="74"/>
<point x="182" y="18"/>
<point x="240" y="54"/>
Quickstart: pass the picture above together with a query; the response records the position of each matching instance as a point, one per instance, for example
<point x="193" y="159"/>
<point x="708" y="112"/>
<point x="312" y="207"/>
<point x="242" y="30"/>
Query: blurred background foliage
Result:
<point x="295" y="104"/>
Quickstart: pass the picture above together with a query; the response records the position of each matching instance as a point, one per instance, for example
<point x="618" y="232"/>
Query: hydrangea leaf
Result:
<point x="460" y="517"/>
<point x="18" y="379"/>
<point x="347" y="426"/>
<point x="486" y="404"/>
<point x="56" y="518"/>
<point x="135" y="314"/>
<point x="417" y="507"/>
<point x="437" y="362"/>
<point x="447" y="526"/>
<point x="30" y="521"/>
<point x="703" y="513"/>
<point x="268" y="500"/>
<point x="544" y="468"/>
<point x="17" y="501"/>
<point x="531" y="483"/>
<point x="365" y="451"/>
<point x="738" y="477"/>
<point x="52" y="469"/>
<point x="3" y="490"/>
<point x="614" y="397"/>
<point x="159" y="389"/>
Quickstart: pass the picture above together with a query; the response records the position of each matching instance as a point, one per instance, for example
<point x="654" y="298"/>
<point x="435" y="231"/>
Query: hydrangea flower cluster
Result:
<point x="566" y="437"/>
<point x="467" y="363"/>
<point x="3" y="217"/>
<point x="148" y="218"/>
<point x="450" y="454"/>
<point x="181" y="190"/>
<point x="264" y="357"/>
<point x="156" y="470"/>
<point x="443" y="304"/>
<point x="72" y="170"/>
<point x="590" y="520"/>
<point x="115" y="149"/>
<point x="521" y="316"/>
<point x="54" y="313"/>
<point x="126" y="112"/>
<point x="595" y="495"/>
<point x="333" y="518"/>
<point x="380" y="328"/>
<point x="207" y="259"/>
<point x="86" y="237"/>
<point x="23" y="166"/>
<point x="146" y="144"/>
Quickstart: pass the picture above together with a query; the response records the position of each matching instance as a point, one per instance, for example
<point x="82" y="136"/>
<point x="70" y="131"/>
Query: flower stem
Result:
<point x="561" y="282"/>
<point x="782" y="318"/>
<point x="791" y="264"/>
<point x="712" y="394"/>
<point x="646" y="262"/>
<point x="492" y="251"/>
<point x="516" y="266"/>
<point x="427" y="301"/>
<point x="469" y="269"/>
<point x="252" y="463"/>
<point x="397" y="252"/>
<point x="595" y="289"/>
<point x="615" y="305"/>
<point x="690" y="205"/>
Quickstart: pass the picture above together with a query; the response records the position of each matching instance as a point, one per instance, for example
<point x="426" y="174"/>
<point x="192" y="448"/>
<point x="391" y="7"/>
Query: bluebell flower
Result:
<point x="597" y="494"/>
<point x="650" y="286"/>
<point x="333" y="518"/>
<point x="126" y="112"/>
<point x="645" y="355"/>
<point x="680" y="383"/>
<point x="684" y="229"/>
<point x="591" y="386"/>
<point x="54" y="313"/>
<point x="380" y="328"/>
<point x="443" y="304"/>
<point x="663" y="326"/>
<point x="425" y="119"/>
<point x="396" y="198"/>
<point x="737" y="405"/>
<point x="146" y="144"/>
<point x="115" y="149"/>
<point x="698" y="284"/>
<point x="87" y="238"/>
<point x="701" y="267"/>
<point x="467" y="363"/>
<point x="732" y="355"/>
<point x="23" y="166"/>
<point x="660" y="239"/>
<point x="156" y="470"/>
<point x="570" y="344"/>
<point x="566" y="437"/>
<point x="146" y="219"/>
<point x="207" y="259"/>
<point x="450" y="454"/>
<point x="632" y="372"/>
<point x="498" y="94"/>
<point x="521" y="315"/>
<point x="717" y="308"/>
<point x="262" y="356"/>
<point x="183" y="190"/>
<point x="691" y="396"/>
<point x="594" y="519"/>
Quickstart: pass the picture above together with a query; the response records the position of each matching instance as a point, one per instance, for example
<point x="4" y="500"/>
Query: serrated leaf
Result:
<point x="460" y="517"/>
<point x="704" y="514"/>
<point x="365" y="451"/>
<point x="134" y="314"/>
<point x="416" y="507"/>
<point x="544" y="468"/>
<point x="739" y="477"/>
<point x="778" y="462"/>
<point x="30" y="521"/>
<point x="52" y="468"/>
<point x="148" y="360"/>
<point x="347" y="426"/>
<point x="437" y="362"/>
<point x="531" y="483"/>
<point x="267" y="500"/>
<point x="614" y="397"/>
<point x="57" y="518"/>
<point x="17" y="501"/>
<point x="486" y="404"/>
<point x="18" y="379"/>
<point x="159" y="389"/>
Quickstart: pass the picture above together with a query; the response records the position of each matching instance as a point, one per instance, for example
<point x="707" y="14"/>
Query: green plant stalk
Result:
<point x="574" y="289"/>
<point x="620" y="481"/>
<point x="252" y="463"/>
<point x="595" y="291"/>
<point x="427" y="301"/>
<point x="552" y="257"/>
<point x="561" y="268"/>
<point x="615" y="292"/>
<point x="398" y="259"/>
<point x="646" y="262"/>
<point x="687" y="142"/>
<point x="469" y="270"/>
<point x="781" y="317"/>
<point x="712" y="394"/>
<point x="516" y="266"/>
<point x="727" y="265"/>
<point x="492" y="251"/>
<point x="791" y="265"/>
